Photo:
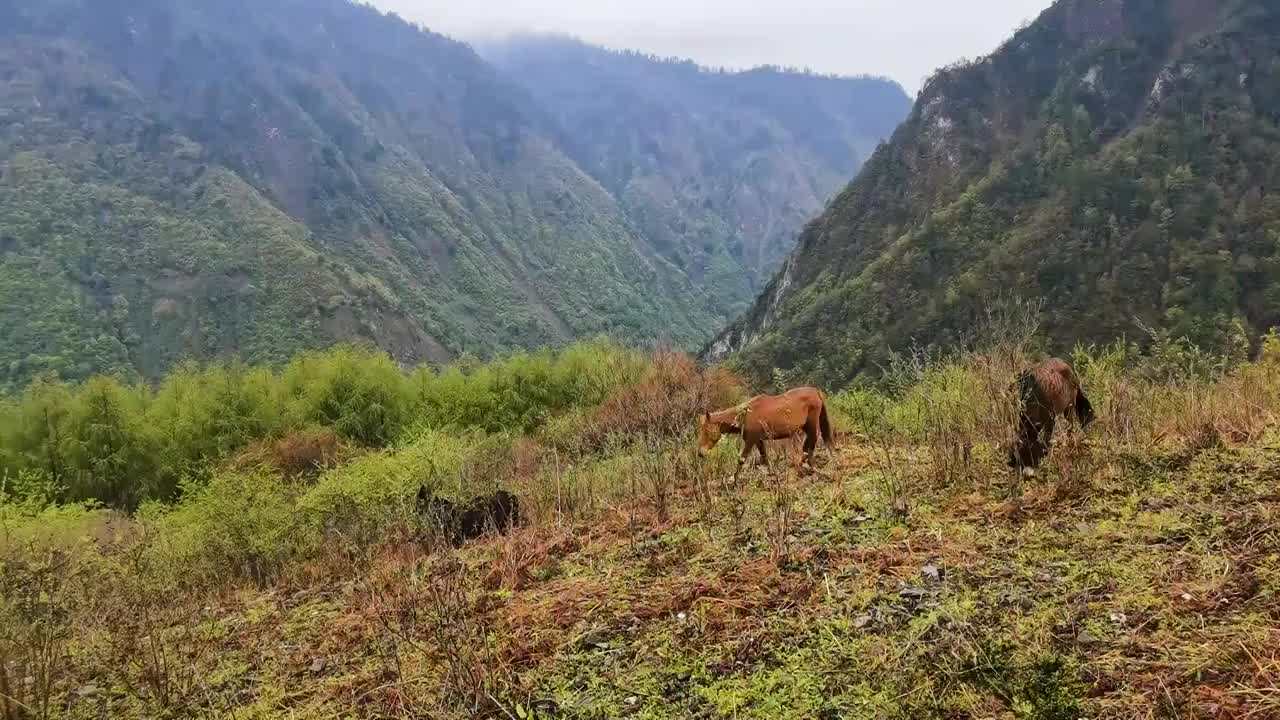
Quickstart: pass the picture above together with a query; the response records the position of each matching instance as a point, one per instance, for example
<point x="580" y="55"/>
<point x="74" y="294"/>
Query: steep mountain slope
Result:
<point x="1117" y="158"/>
<point x="193" y="178"/>
<point x="719" y="170"/>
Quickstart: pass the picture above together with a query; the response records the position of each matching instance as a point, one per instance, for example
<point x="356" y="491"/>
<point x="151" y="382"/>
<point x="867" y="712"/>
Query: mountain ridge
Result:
<point x="1095" y="161"/>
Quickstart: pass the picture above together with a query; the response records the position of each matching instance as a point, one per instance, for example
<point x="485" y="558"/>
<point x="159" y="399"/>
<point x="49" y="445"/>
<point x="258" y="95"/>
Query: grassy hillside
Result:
<point x="1114" y="159"/>
<point x="1138" y="578"/>
<point x="719" y="170"/>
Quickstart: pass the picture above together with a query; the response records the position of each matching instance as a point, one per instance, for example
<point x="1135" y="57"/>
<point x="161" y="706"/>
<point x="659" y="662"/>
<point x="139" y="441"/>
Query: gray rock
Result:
<point x="594" y="639"/>
<point x="318" y="665"/>
<point x="546" y="705"/>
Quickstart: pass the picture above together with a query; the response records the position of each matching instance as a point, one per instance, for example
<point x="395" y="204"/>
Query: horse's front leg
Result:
<point x="764" y="458"/>
<point x="747" y="447"/>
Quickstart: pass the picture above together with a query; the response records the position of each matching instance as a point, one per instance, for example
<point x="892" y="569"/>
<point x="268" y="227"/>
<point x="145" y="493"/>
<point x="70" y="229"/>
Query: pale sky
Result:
<point x="903" y="39"/>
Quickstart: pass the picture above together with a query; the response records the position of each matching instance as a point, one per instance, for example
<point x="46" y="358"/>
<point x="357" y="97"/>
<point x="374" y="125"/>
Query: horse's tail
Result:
<point x="824" y="423"/>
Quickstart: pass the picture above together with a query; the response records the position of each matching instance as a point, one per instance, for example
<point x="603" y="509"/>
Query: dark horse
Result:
<point x="500" y="511"/>
<point x="770" y="417"/>
<point x="1045" y="391"/>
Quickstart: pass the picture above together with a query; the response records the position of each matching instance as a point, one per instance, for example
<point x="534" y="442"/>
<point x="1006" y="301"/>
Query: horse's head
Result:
<point x="708" y="434"/>
<point x="1083" y="409"/>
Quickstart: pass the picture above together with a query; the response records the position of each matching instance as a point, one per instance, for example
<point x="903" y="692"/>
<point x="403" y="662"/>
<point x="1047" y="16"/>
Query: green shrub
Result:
<point x="201" y="415"/>
<point x="354" y="504"/>
<point x="239" y="524"/>
<point x="360" y="394"/>
<point x="524" y="391"/>
<point x="31" y="431"/>
<point x="30" y="487"/>
<point x="25" y="526"/>
<point x="863" y="410"/>
<point x="106" y="453"/>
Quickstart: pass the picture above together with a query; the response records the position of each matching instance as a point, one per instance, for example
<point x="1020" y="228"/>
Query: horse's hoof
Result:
<point x="1028" y="472"/>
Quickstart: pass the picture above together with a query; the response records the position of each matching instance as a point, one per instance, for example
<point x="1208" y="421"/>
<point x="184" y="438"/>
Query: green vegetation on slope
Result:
<point x="122" y="444"/>
<point x="203" y="179"/>
<point x="1115" y="159"/>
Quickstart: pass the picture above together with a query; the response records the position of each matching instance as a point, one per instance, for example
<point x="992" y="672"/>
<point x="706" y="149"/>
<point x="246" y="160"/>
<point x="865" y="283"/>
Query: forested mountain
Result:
<point x="198" y="178"/>
<point x="194" y="178"/>
<point x="719" y="170"/>
<point x="1118" y="159"/>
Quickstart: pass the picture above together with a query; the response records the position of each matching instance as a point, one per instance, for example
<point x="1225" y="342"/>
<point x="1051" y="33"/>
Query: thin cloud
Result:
<point x="904" y="39"/>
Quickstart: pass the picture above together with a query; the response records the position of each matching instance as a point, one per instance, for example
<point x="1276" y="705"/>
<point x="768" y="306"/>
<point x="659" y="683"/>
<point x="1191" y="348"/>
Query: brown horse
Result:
<point x="1045" y="391"/>
<point x="770" y="417"/>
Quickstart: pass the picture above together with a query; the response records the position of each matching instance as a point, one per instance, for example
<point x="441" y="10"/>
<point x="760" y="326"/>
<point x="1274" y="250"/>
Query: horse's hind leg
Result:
<point x="810" y="444"/>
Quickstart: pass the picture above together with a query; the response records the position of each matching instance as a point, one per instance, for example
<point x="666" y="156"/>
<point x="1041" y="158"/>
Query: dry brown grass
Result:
<point x="1136" y="413"/>
<point x="664" y="404"/>
<point x="300" y="455"/>
<point x="642" y="543"/>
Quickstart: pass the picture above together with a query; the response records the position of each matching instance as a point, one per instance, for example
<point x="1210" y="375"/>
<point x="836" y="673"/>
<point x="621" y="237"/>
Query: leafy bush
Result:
<point x="863" y="410"/>
<point x="200" y="415"/>
<point x="522" y="392"/>
<point x="240" y="524"/>
<point x="124" y="444"/>
<point x="361" y="394"/>
<point x="106" y="452"/>
<point x="31" y="430"/>
<point x="355" y="504"/>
